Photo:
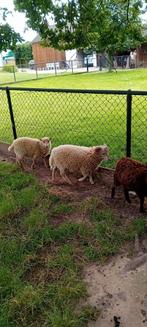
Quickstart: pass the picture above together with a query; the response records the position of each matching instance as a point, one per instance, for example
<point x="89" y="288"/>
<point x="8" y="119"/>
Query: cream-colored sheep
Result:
<point x="76" y="158"/>
<point x="31" y="148"/>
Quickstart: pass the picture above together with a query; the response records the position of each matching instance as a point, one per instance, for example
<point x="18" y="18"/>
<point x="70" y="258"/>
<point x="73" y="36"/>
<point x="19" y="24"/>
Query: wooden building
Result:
<point x="141" y="55"/>
<point x="44" y="56"/>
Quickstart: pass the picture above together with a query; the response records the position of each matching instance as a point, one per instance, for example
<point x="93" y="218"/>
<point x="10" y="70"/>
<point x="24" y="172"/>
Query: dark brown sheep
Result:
<point x="132" y="175"/>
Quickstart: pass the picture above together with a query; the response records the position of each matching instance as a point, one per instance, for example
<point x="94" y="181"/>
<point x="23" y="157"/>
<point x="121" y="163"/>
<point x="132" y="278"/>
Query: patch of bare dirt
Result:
<point x="119" y="292"/>
<point x="101" y="189"/>
<point x="80" y="191"/>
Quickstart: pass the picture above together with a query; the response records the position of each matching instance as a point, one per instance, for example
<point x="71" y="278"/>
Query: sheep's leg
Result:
<point x="91" y="179"/>
<point x="126" y="193"/>
<point x="53" y="173"/>
<point x="45" y="164"/>
<point x="33" y="163"/>
<point x="141" y="209"/>
<point x="19" y="161"/>
<point x="113" y="192"/>
<point x="83" y="178"/>
<point x="84" y="173"/>
<point x="64" y="176"/>
<point x="66" y="179"/>
<point x="20" y="164"/>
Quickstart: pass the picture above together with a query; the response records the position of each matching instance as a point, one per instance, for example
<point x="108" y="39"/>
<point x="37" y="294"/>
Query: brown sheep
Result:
<point x="132" y="175"/>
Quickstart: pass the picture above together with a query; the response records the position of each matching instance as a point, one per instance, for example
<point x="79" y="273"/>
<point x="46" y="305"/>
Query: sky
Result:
<point x="18" y="21"/>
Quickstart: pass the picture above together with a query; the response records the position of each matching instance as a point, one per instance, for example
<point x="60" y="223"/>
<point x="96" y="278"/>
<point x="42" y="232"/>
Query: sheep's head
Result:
<point x="103" y="151"/>
<point x="46" y="146"/>
<point x="45" y="139"/>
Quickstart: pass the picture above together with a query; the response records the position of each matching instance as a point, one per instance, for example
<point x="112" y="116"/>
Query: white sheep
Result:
<point x="32" y="148"/>
<point x="76" y="158"/>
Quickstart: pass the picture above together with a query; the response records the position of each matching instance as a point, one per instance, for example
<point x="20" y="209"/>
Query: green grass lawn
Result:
<point x="122" y="80"/>
<point x="41" y="264"/>
<point x="84" y="119"/>
<point x="6" y="77"/>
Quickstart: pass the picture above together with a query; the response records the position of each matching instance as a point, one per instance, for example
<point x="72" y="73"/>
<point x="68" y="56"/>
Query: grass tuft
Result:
<point x="41" y="278"/>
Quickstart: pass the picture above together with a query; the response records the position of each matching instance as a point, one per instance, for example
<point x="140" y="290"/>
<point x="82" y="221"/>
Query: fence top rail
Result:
<point x="83" y="91"/>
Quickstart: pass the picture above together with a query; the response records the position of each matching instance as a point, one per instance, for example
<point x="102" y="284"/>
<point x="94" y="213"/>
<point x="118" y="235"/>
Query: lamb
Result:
<point x="76" y="158"/>
<point x="32" y="148"/>
<point x="132" y="175"/>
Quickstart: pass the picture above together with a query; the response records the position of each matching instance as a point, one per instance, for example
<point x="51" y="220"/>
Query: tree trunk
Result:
<point x="110" y="61"/>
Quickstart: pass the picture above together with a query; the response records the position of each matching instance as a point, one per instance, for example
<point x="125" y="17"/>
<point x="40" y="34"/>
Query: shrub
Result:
<point x="9" y="68"/>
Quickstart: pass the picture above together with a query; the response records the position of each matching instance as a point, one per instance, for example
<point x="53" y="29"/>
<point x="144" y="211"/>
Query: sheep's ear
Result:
<point x="104" y="146"/>
<point x="45" y="140"/>
<point x="50" y="144"/>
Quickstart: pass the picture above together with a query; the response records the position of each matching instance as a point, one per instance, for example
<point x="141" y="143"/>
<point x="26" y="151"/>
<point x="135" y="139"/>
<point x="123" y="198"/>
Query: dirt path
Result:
<point x="119" y="291"/>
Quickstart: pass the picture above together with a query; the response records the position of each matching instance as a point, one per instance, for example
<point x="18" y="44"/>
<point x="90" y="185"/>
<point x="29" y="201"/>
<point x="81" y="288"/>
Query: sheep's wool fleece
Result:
<point x="28" y="146"/>
<point x="73" y="157"/>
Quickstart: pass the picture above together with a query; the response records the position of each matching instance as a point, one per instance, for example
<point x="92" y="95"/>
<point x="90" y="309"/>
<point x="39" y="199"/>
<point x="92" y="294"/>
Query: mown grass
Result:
<point x="83" y="119"/>
<point x="41" y="279"/>
<point x="6" y="77"/>
<point x="122" y="80"/>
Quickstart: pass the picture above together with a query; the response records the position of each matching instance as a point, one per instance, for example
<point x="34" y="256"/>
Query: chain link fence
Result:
<point x="139" y="126"/>
<point x="29" y="70"/>
<point x="83" y="117"/>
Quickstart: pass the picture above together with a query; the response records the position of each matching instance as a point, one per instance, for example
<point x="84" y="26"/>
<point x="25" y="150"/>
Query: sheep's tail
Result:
<point x="113" y="192"/>
<point x="11" y="147"/>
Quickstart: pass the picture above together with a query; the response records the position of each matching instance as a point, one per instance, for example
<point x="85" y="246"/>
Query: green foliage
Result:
<point x="9" y="68"/>
<point x="8" y="37"/>
<point x="88" y="313"/>
<point x="23" y="53"/>
<point x="62" y="208"/>
<point x="105" y="26"/>
<point x="138" y="226"/>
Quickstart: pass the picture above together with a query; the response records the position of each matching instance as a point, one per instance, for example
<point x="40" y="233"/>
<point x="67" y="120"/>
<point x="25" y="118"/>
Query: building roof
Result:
<point x="36" y="39"/>
<point x="9" y="55"/>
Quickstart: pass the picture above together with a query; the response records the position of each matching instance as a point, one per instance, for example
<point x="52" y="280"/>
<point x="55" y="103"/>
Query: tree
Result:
<point x="102" y="25"/>
<point x="8" y="37"/>
<point x="23" y="52"/>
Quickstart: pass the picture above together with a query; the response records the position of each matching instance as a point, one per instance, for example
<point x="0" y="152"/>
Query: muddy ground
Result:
<point x="119" y="287"/>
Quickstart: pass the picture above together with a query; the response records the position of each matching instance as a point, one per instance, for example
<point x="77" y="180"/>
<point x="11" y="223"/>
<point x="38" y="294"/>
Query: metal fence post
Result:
<point x="55" y="68"/>
<point x="72" y="66"/>
<point x="87" y="65"/>
<point x="36" y="71"/>
<point x="11" y="112"/>
<point x="14" y="73"/>
<point x="128" y="123"/>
